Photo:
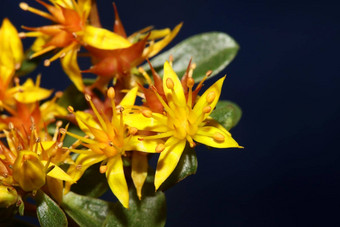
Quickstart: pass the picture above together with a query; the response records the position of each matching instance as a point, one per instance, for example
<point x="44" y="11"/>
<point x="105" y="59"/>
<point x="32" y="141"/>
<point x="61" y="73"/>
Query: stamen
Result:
<point x="133" y="131"/>
<point x="218" y="137"/>
<point x="70" y="109"/>
<point x="190" y="84"/>
<point x="192" y="68"/>
<point x="43" y="51"/>
<point x="171" y="59"/>
<point x="160" y="147"/>
<point x="206" y="109"/>
<point x="147" y="113"/>
<point x="191" y="142"/>
<point x="111" y="93"/>
<point x="146" y="76"/>
<point x="159" y="136"/>
<point x="102" y="169"/>
<point x="24" y="6"/>
<point x="210" y="97"/>
<point x="170" y="83"/>
<point x="99" y="117"/>
<point x="160" y="99"/>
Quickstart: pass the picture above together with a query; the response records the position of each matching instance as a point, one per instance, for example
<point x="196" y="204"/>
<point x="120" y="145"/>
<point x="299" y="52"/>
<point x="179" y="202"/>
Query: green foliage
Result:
<point x="28" y="65"/>
<point x="227" y="114"/>
<point x="48" y="212"/>
<point x="210" y="51"/>
<point x="186" y="166"/>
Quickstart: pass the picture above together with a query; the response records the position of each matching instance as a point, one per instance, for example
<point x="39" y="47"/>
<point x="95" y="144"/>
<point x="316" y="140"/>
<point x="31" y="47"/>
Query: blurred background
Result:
<point x="286" y="80"/>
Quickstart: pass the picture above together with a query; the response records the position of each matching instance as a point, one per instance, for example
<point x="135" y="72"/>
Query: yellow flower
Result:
<point x="11" y="55"/>
<point x="107" y="140"/>
<point x="31" y="162"/>
<point x="182" y="121"/>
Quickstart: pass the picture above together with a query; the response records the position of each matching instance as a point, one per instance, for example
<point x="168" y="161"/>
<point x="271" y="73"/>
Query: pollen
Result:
<point x="210" y="97"/>
<point x="218" y="137"/>
<point x="206" y="109"/>
<point x="111" y="93"/>
<point x="88" y="97"/>
<point x="24" y="6"/>
<point x="133" y="131"/>
<point x="147" y="113"/>
<point x="170" y="83"/>
<point x="102" y="169"/>
<point x="160" y="147"/>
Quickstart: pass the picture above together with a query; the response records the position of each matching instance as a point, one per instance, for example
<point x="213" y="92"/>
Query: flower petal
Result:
<point x="83" y="162"/>
<point x="116" y="179"/>
<point x="57" y="172"/>
<point x="207" y="135"/>
<point x="157" y="123"/>
<point x="137" y="143"/>
<point x="29" y="93"/>
<point x="130" y="98"/>
<point x="209" y="98"/>
<point x="139" y="171"/>
<point x="71" y="68"/>
<point x="176" y="94"/>
<point x="168" y="159"/>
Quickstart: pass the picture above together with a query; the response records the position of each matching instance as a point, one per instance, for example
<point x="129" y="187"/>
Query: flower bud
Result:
<point x="8" y="196"/>
<point x="28" y="171"/>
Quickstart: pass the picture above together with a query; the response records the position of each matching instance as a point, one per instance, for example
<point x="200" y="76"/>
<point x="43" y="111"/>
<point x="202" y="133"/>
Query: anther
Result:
<point x="70" y="109"/>
<point x="24" y="6"/>
<point x="62" y="131"/>
<point x="88" y="97"/>
<point x="218" y="137"/>
<point x="210" y="97"/>
<point x="147" y="113"/>
<point x="133" y="130"/>
<point x="190" y="82"/>
<point x="207" y="74"/>
<point x="111" y="93"/>
<point x="78" y="167"/>
<point x="206" y="109"/>
<point x="170" y="83"/>
<point x="59" y="124"/>
<point x="47" y="63"/>
<point x="160" y="147"/>
<point x="102" y="169"/>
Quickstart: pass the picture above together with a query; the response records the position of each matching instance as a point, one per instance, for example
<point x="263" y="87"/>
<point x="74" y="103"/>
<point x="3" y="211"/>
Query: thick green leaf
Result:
<point x="149" y="211"/>
<point x="227" y="114"/>
<point x="186" y="166"/>
<point x="84" y="210"/>
<point x="210" y="51"/>
<point x="48" y="212"/>
<point x="92" y="183"/>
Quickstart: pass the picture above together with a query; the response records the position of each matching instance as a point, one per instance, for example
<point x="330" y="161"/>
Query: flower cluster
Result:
<point x="129" y="116"/>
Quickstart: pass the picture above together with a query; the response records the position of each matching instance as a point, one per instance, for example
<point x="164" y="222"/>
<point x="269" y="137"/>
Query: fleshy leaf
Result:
<point x="210" y="51"/>
<point x="149" y="211"/>
<point x="186" y="166"/>
<point x="86" y="211"/>
<point x="48" y="212"/>
<point x="227" y="113"/>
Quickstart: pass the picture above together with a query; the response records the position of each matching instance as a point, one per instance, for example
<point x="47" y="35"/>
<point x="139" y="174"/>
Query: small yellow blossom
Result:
<point x="107" y="140"/>
<point x="182" y="121"/>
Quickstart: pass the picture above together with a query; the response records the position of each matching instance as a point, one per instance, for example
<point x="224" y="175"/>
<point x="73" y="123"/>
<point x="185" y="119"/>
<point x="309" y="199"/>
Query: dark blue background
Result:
<point x="285" y="78"/>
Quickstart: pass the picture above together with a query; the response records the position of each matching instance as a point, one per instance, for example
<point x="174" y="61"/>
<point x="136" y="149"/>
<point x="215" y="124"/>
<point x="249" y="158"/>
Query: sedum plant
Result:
<point x="60" y="154"/>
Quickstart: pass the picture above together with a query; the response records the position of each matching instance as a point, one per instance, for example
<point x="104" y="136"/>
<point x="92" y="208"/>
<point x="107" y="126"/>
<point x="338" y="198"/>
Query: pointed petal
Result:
<point x="83" y="162"/>
<point x="104" y="39"/>
<point x="137" y="143"/>
<point x="130" y="98"/>
<point x="139" y="171"/>
<point x="116" y="179"/>
<point x="158" y="123"/>
<point x="176" y="94"/>
<point x="205" y="100"/>
<point x="206" y="134"/>
<point x="71" y="68"/>
<point x="57" y="172"/>
<point x="29" y="93"/>
<point x="168" y="159"/>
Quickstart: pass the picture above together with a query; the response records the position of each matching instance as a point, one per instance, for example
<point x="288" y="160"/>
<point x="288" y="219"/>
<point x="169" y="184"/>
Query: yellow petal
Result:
<point x="46" y="145"/>
<point x="71" y="68"/>
<point x="215" y="137"/>
<point x="55" y="188"/>
<point x="136" y="143"/>
<point x="209" y="98"/>
<point x="130" y="98"/>
<point x="158" y="123"/>
<point x="85" y="7"/>
<point x="139" y="171"/>
<point x="57" y="172"/>
<point x="104" y="39"/>
<point x="11" y="49"/>
<point x="83" y="162"/>
<point x="85" y="120"/>
<point x="175" y="96"/>
<point x="116" y="179"/>
<point x="29" y="92"/>
<point x="154" y="49"/>
<point x="168" y="159"/>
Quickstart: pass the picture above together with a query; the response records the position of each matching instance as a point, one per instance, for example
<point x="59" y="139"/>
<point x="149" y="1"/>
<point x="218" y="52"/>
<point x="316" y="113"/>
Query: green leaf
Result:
<point x="49" y="213"/>
<point x="227" y="114"/>
<point x="186" y="166"/>
<point x="149" y="211"/>
<point x="28" y="65"/>
<point x="84" y="210"/>
<point x="93" y="178"/>
<point x="210" y="51"/>
<point x="72" y="97"/>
